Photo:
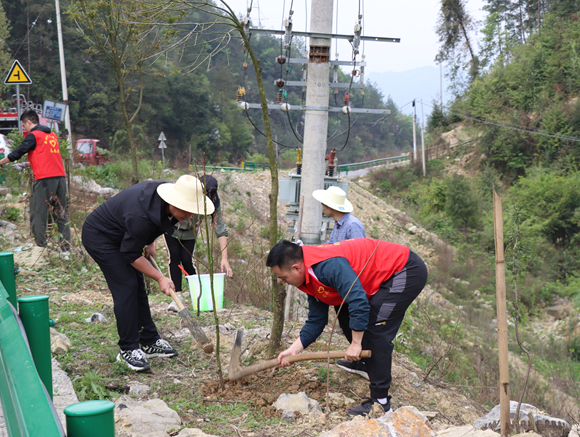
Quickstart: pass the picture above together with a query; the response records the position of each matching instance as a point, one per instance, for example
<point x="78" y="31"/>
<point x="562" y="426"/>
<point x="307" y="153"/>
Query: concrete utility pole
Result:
<point x="414" y="132"/>
<point x="423" y="139"/>
<point x="63" y="72"/>
<point x="316" y="121"/>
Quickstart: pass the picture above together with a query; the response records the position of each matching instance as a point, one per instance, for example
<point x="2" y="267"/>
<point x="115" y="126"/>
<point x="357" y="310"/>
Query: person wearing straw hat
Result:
<point x="336" y="206"/>
<point x="374" y="282"/>
<point x="119" y="235"/>
<point x="181" y="243"/>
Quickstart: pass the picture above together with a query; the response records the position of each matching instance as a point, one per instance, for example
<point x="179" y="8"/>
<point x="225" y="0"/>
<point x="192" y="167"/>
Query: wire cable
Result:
<point x="29" y="30"/>
<point x="531" y="132"/>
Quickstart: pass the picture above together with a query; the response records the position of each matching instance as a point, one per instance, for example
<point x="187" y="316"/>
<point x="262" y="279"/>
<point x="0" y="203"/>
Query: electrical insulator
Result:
<point x="346" y="99"/>
<point x="245" y="64"/>
<point x="354" y="72"/>
<point x="285" y="107"/>
<point x="280" y="97"/>
<point x="239" y="96"/>
<point x="346" y="109"/>
<point x="244" y="105"/>
<point x="281" y="59"/>
<point x="280" y="83"/>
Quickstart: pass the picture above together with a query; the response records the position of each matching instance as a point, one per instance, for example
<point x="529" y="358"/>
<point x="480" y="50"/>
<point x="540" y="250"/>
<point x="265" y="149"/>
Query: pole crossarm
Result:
<point x="328" y="35"/>
<point x="332" y="84"/>
<point x="322" y="108"/>
<point x="305" y="61"/>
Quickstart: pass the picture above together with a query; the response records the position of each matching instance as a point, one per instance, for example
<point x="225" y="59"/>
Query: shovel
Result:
<point x="188" y="319"/>
<point x="236" y="372"/>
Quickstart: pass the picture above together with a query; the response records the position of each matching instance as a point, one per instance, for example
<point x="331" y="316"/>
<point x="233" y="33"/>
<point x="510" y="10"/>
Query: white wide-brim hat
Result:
<point x="334" y="198"/>
<point x="187" y="194"/>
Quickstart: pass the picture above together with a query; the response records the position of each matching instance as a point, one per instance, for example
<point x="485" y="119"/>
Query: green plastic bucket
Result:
<point x="205" y="303"/>
<point x="90" y="419"/>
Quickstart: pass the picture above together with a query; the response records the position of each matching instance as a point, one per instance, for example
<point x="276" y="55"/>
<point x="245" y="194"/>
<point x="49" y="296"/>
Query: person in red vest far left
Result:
<point x="49" y="179"/>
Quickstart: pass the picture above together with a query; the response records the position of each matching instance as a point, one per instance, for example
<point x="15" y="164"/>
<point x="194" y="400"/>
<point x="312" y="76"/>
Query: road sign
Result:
<point x="162" y="145"/>
<point x="54" y="110"/>
<point x="161" y="137"/>
<point x="17" y="75"/>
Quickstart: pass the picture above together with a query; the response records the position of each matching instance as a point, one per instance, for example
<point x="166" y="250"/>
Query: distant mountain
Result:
<point x="404" y="86"/>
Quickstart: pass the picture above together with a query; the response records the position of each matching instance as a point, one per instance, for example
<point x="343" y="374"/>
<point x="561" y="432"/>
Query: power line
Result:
<point x="528" y="131"/>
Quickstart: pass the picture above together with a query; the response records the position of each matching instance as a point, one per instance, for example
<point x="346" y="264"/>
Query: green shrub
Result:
<point x="12" y="214"/>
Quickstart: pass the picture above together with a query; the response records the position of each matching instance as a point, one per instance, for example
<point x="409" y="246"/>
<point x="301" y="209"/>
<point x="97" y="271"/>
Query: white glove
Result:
<point x="299" y="243"/>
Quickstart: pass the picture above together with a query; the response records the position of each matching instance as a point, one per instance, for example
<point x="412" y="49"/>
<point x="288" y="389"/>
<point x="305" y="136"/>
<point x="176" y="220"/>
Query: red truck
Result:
<point x="87" y="152"/>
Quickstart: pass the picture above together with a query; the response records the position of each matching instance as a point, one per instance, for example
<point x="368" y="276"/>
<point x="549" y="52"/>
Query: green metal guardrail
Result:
<point x="27" y="409"/>
<point x="374" y="163"/>
<point x="26" y="371"/>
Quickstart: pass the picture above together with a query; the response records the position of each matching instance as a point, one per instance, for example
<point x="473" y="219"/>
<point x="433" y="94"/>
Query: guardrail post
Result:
<point x="33" y="312"/>
<point x="90" y="419"/>
<point x="7" y="275"/>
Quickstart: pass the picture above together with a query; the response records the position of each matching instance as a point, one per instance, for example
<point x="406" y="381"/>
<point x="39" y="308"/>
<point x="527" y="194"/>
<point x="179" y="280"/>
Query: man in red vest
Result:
<point x="374" y="281"/>
<point x="49" y="179"/>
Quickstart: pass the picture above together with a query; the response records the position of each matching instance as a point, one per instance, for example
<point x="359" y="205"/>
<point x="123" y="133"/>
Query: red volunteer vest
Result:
<point x="45" y="159"/>
<point x="388" y="259"/>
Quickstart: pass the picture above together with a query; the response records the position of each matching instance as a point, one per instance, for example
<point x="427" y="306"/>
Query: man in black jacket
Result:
<point x="119" y="235"/>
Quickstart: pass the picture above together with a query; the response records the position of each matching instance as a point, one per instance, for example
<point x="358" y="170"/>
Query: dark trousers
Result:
<point x="131" y="306"/>
<point x="388" y="307"/>
<point x="179" y="251"/>
<point x="49" y="194"/>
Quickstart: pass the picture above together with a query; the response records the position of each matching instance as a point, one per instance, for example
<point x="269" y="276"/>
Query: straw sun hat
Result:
<point x="186" y="194"/>
<point x="334" y="198"/>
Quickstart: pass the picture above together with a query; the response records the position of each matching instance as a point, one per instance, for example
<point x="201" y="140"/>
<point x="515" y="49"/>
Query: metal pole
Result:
<point x="18" y="109"/>
<point x="33" y="312"/>
<point x="423" y="138"/>
<point x="316" y="122"/>
<point x="63" y="73"/>
<point x="163" y="156"/>
<point x="414" y="133"/>
<point x="502" y="327"/>
<point x="90" y="419"/>
<point x="7" y="275"/>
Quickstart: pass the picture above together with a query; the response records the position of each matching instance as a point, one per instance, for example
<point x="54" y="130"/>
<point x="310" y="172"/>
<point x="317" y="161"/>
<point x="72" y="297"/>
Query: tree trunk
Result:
<point x="128" y="127"/>
<point x="278" y="290"/>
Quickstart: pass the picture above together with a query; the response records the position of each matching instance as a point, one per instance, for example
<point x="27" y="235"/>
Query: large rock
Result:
<point x="193" y="432"/>
<point x="297" y="402"/>
<point x="406" y="421"/>
<point x="59" y="343"/>
<point x="545" y="425"/>
<point x="560" y="311"/>
<point x="139" y="419"/>
<point x="30" y="257"/>
<point x="468" y="431"/>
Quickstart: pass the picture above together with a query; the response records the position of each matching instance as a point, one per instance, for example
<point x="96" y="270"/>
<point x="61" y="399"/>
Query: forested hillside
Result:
<point x="515" y="126"/>
<point x="193" y="107"/>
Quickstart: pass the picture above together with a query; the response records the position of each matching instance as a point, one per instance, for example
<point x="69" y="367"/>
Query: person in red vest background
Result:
<point x="49" y="179"/>
<point x="373" y="306"/>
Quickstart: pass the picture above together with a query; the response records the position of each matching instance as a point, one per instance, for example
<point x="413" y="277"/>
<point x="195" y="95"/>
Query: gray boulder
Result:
<point x="530" y="419"/>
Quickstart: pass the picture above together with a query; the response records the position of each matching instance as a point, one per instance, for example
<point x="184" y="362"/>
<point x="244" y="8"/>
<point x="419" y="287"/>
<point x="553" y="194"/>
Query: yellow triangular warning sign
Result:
<point x="17" y="75"/>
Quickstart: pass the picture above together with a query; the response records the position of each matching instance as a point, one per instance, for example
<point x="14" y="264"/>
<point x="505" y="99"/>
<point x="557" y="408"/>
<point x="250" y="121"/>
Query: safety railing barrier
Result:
<point x="26" y="371"/>
<point x="374" y="163"/>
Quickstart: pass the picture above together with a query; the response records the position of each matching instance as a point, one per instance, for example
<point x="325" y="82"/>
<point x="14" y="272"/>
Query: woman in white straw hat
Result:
<point x="335" y="205"/>
<point x="115" y="235"/>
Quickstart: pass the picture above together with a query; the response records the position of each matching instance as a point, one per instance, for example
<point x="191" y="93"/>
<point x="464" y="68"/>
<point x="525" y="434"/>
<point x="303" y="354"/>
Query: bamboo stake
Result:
<point x="502" y="329"/>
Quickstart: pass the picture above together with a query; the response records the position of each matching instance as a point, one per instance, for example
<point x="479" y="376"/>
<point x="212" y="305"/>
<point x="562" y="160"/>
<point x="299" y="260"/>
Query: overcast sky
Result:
<point x="411" y="20"/>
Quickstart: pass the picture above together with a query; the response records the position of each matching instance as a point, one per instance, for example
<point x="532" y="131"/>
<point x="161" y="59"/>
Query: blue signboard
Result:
<point x="54" y="110"/>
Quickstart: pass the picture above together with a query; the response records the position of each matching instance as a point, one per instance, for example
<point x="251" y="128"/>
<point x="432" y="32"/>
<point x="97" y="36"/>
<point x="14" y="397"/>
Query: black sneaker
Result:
<point x="160" y="349"/>
<point x="135" y="359"/>
<point x="357" y="367"/>
<point x="365" y="408"/>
